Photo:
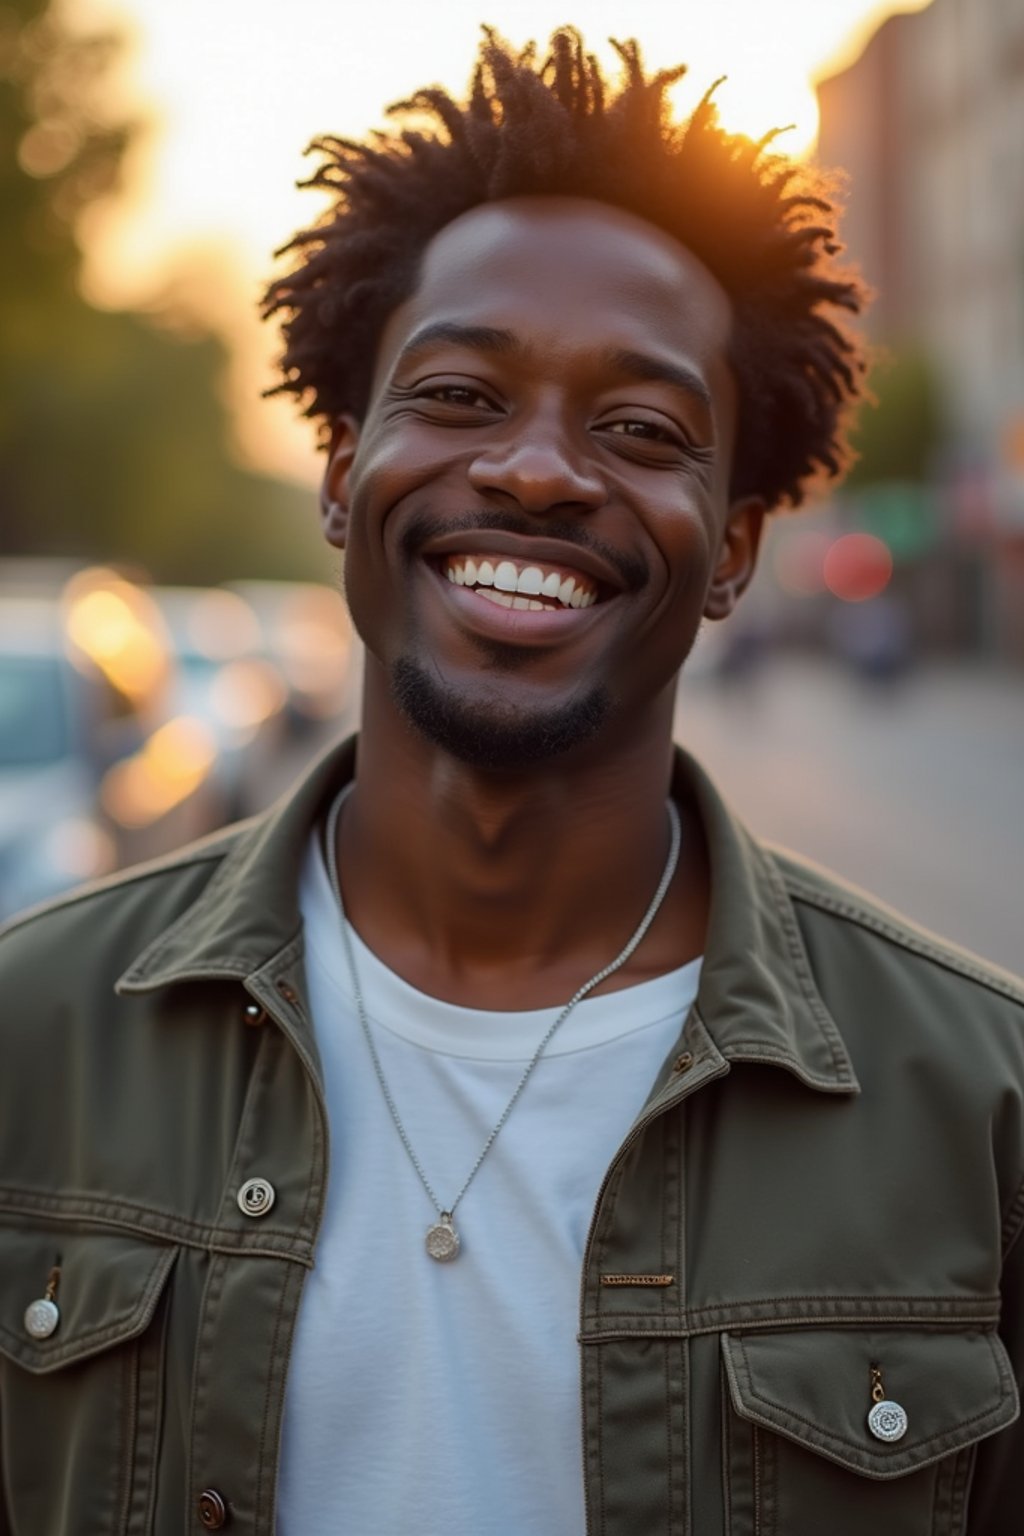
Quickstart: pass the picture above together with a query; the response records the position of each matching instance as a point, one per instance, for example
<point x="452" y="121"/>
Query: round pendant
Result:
<point x="443" y="1240"/>
<point x="888" y="1421"/>
<point x="41" y="1318"/>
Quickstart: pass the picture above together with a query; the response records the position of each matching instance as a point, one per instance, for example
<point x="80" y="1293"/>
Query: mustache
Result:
<point x="633" y="569"/>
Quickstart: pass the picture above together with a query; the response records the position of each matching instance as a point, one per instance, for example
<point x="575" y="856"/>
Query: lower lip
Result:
<point x="522" y="626"/>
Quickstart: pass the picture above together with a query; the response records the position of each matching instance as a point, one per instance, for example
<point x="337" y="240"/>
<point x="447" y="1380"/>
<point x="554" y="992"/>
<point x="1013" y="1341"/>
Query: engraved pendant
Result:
<point x="888" y="1420"/>
<point x="443" y="1240"/>
<point x="41" y="1318"/>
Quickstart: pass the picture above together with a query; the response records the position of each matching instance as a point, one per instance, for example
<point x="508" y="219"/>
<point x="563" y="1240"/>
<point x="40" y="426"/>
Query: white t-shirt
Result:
<point x="428" y="1399"/>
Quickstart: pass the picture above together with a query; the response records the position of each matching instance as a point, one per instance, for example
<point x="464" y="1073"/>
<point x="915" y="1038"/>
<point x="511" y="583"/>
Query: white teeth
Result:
<point x="536" y="607"/>
<point x="520" y="602"/>
<point x="530" y="582"/>
<point x="501" y="598"/>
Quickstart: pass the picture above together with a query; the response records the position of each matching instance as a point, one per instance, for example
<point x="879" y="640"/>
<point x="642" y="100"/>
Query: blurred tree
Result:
<point x="114" y="441"/>
<point x="897" y="437"/>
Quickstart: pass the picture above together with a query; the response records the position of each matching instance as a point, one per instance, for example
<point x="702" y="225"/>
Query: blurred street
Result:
<point x="914" y="791"/>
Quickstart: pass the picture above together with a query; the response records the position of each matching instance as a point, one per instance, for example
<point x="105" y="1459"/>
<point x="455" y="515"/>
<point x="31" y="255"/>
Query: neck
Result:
<point x="510" y="890"/>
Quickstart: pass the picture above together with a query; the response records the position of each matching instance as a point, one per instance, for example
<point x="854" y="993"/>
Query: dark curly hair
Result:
<point x="762" y="223"/>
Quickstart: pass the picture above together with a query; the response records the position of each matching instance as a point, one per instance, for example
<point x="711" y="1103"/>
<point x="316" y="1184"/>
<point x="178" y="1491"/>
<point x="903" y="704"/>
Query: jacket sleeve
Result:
<point x="997" y="1492"/>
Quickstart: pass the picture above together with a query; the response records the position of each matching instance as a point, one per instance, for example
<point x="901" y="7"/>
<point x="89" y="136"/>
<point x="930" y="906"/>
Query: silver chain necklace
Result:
<point x="442" y="1240"/>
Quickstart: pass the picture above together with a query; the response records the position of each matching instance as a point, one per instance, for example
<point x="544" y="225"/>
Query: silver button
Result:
<point x="41" y="1318"/>
<point x="256" y="1197"/>
<point x="887" y="1421"/>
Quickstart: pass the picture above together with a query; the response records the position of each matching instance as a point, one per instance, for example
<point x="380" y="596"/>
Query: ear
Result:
<point x="737" y="558"/>
<point x="335" y="486"/>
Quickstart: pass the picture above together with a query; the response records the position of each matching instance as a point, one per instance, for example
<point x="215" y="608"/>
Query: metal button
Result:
<point x="683" y="1063"/>
<point x="41" y="1318"/>
<point x="213" y="1512"/>
<point x="254" y="1014"/>
<point x="256" y="1197"/>
<point x="888" y="1421"/>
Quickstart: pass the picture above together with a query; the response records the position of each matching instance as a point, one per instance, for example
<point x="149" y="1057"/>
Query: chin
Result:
<point x="493" y="734"/>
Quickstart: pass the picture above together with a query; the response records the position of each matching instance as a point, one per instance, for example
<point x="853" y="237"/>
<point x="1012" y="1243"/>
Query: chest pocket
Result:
<point x="80" y="1408"/>
<point x="800" y="1456"/>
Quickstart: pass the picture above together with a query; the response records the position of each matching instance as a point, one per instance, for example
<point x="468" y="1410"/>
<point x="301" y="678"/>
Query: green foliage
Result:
<point x="113" y="437"/>
<point x="896" y="438"/>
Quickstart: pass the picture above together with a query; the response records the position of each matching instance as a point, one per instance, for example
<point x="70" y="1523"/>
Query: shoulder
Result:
<point x="102" y="925"/>
<point x="822" y="899"/>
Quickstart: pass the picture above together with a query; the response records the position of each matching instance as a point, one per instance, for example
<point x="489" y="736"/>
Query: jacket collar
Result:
<point x="757" y="997"/>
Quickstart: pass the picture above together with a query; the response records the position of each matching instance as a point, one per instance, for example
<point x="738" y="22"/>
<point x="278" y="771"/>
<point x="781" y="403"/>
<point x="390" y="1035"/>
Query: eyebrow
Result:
<point x="639" y="367"/>
<point x="479" y="338"/>
<point x="643" y="369"/>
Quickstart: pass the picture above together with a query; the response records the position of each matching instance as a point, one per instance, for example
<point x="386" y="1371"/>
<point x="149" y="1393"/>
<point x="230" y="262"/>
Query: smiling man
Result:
<point x="495" y="1138"/>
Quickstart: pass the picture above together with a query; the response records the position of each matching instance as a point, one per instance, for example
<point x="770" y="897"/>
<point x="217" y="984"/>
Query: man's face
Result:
<point x="535" y="509"/>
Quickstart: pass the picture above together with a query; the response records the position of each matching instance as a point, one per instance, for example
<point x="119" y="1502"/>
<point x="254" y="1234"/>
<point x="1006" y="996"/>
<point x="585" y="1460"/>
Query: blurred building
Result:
<point x="929" y="124"/>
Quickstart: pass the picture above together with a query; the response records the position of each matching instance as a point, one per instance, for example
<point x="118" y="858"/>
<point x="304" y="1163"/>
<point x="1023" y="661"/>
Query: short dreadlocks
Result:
<point x="763" y="224"/>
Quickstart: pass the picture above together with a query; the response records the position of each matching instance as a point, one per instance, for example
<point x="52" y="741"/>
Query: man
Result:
<point x="495" y="1137"/>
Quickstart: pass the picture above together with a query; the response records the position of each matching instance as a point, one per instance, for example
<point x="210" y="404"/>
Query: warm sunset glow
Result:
<point x="232" y="92"/>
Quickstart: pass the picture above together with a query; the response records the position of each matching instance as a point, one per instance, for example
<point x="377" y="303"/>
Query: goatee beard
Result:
<point x="492" y="735"/>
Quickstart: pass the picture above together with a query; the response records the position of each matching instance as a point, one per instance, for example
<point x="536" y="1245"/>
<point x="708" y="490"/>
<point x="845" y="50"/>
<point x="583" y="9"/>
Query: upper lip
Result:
<point x="536" y="551"/>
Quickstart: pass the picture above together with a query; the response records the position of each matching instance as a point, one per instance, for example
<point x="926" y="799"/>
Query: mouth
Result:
<point x="526" y="585"/>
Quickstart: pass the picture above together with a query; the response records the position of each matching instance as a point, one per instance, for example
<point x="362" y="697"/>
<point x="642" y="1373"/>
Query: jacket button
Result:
<point x="256" y="1197"/>
<point x="213" y="1512"/>
<point x="683" y="1063"/>
<point x="254" y="1014"/>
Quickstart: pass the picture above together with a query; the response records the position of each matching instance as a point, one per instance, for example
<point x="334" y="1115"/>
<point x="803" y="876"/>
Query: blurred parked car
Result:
<point x="223" y="678"/>
<point x="307" y="634"/>
<point x="61" y="726"/>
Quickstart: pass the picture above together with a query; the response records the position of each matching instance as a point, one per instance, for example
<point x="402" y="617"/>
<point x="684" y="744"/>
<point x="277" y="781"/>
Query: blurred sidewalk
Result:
<point x="913" y="790"/>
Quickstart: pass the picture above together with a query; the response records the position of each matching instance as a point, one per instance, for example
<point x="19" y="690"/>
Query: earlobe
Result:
<point x="737" y="559"/>
<point x="335" y="488"/>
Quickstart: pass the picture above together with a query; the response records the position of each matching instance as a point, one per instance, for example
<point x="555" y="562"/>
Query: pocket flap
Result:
<point x="814" y="1386"/>
<point x="107" y="1291"/>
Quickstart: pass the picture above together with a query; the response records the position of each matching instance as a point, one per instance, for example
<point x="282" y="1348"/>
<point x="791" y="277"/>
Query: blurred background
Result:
<point x="173" y="647"/>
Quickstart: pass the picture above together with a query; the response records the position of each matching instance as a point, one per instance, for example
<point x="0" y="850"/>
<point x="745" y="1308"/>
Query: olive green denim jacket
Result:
<point x="821" y="1199"/>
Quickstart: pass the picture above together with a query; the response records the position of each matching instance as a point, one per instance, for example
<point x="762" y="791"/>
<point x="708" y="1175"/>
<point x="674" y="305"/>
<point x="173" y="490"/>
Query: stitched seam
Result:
<point x="126" y="1461"/>
<point x="270" y="1384"/>
<point x="144" y="967"/>
<point x="98" y="1212"/>
<point x="600" y="1460"/>
<point x="905" y="939"/>
<point x="99" y="888"/>
<point x="757" y="1480"/>
<point x="668" y="1434"/>
<point x="723" y="1391"/>
<point x="200" y="1389"/>
<point x="90" y="1343"/>
<point x="767" y="1325"/>
<point x="933" y="1441"/>
<point x="801" y="965"/>
<point x="725" y="1308"/>
<point x="157" y="1375"/>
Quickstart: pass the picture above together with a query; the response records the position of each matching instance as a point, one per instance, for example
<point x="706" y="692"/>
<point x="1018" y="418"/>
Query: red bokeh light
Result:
<point x="857" y="566"/>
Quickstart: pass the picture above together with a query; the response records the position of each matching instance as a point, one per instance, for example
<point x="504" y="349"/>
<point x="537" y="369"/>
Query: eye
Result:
<point x="646" y="431"/>
<point x="465" y="395"/>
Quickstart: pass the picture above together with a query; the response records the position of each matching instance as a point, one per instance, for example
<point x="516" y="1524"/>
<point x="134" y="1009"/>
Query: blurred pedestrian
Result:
<point x="495" y="1137"/>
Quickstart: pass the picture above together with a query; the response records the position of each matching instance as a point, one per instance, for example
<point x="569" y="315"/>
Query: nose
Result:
<point x="537" y="465"/>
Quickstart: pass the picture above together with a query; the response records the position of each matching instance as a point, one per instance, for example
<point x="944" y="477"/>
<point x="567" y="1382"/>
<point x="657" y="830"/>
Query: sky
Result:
<point x="229" y="93"/>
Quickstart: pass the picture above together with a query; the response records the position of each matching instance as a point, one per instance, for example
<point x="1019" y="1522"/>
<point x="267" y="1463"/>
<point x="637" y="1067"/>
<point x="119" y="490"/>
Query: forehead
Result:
<point x="568" y="275"/>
